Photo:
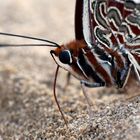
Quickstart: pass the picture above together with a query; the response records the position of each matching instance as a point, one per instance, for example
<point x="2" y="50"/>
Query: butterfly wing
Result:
<point x="110" y="23"/>
<point x="83" y="24"/>
<point x="124" y="20"/>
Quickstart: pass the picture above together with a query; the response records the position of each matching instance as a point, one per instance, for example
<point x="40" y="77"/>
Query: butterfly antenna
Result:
<point x="55" y="97"/>
<point x="52" y="44"/>
<point x="25" y="45"/>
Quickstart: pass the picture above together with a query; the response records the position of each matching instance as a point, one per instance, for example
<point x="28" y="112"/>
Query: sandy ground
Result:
<point x="27" y="107"/>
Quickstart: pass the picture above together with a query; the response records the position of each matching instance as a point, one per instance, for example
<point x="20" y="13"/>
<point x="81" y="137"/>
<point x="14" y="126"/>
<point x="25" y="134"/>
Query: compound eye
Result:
<point x="65" y="57"/>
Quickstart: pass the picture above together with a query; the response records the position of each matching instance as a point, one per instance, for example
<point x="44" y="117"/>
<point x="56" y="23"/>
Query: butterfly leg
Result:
<point x="67" y="81"/>
<point x="131" y="61"/>
<point x="122" y="76"/>
<point x="90" y="85"/>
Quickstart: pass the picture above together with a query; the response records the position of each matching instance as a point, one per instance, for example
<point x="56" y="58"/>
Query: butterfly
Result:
<point x="106" y="49"/>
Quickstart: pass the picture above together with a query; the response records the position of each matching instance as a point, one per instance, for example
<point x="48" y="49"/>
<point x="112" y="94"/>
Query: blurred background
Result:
<point x="48" y="19"/>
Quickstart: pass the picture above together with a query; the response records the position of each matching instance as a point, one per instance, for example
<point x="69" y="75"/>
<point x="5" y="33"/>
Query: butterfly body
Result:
<point x="94" y="66"/>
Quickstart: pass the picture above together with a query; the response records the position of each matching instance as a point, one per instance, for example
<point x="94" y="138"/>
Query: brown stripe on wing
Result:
<point x="137" y="57"/>
<point x="118" y="57"/>
<point x="98" y="68"/>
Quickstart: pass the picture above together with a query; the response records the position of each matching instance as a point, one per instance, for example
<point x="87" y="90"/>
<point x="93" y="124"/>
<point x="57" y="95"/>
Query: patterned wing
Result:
<point x="111" y="30"/>
<point x="110" y="23"/>
<point x="119" y="20"/>
<point x="116" y="24"/>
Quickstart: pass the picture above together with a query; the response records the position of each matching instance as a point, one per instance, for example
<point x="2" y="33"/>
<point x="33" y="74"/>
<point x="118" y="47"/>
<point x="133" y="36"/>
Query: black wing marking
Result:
<point x="78" y="20"/>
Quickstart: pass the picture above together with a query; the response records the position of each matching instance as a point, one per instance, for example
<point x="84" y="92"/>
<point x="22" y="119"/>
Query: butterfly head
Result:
<point x="63" y="55"/>
<point x="67" y="54"/>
